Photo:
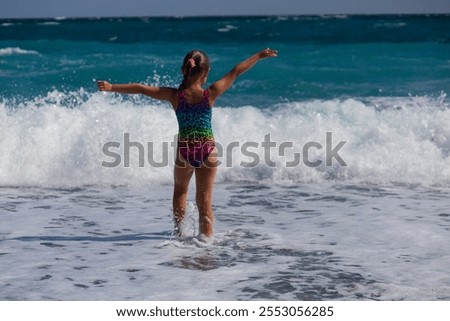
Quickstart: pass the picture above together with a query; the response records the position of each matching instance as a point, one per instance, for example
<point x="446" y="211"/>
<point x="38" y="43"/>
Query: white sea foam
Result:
<point x="9" y="51"/>
<point x="227" y="28"/>
<point x="325" y="241"/>
<point x="402" y="141"/>
<point x="391" y="25"/>
<point x="48" y="23"/>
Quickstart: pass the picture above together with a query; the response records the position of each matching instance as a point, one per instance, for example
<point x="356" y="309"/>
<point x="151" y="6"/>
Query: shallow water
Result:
<point x="272" y="242"/>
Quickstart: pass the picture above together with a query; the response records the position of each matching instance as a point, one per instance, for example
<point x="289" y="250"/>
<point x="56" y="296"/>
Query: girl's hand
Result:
<point x="266" y="53"/>
<point x="104" y="85"/>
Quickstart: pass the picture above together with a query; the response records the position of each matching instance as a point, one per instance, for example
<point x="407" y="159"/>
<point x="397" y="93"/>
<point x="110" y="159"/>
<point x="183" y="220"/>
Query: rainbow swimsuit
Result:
<point x="195" y="136"/>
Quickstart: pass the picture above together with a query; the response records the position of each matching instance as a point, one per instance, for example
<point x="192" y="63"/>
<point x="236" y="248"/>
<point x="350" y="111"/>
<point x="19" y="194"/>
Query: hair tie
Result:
<point x="191" y="62"/>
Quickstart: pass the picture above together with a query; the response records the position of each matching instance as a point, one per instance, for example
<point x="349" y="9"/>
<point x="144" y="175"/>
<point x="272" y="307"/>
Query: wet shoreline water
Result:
<point x="272" y="242"/>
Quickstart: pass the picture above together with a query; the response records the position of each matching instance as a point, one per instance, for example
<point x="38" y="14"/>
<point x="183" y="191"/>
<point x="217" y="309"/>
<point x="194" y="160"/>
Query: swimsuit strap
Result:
<point x="206" y="94"/>
<point x="182" y="97"/>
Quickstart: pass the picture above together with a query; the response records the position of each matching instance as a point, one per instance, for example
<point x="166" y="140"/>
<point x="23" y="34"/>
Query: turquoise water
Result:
<point x="319" y="57"/>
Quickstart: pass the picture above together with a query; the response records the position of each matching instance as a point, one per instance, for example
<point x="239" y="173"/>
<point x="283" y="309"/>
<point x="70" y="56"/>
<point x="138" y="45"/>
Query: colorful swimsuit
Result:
<point x="195" y="136"/>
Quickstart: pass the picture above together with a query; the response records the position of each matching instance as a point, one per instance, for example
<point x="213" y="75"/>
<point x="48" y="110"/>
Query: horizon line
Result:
<point x="336" y="15"/>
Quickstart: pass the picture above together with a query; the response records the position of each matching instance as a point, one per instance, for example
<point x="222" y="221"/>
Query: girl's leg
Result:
<point x="182" y="175"/>
<point x="204" y="179"/>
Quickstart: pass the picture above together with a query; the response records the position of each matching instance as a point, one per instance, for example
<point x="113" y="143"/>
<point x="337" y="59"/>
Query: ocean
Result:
<point x="334" y="181"/>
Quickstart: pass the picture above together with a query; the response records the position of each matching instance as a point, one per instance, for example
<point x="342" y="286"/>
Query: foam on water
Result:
<point x="323" y="241"/>
<point x="58" y="140"/>
<point x="9" y="51"/>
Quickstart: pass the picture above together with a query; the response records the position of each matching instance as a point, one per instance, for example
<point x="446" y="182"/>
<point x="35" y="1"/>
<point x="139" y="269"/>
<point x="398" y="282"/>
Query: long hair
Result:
<point x="195" y="63"/>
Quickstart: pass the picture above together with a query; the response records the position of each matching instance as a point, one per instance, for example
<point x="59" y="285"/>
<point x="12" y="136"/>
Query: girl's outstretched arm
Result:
<point x="222" y="85"/>
<point x="161" y="93"/>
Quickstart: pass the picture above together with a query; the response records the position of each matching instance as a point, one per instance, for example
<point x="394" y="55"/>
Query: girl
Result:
<point x="196" y="151"/>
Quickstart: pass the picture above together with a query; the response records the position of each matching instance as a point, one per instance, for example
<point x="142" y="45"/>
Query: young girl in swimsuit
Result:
<point x="196" y="150"/>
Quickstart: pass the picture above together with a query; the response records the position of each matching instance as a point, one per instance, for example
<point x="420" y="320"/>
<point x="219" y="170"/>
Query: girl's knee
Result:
<point x="180" y="191"/>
